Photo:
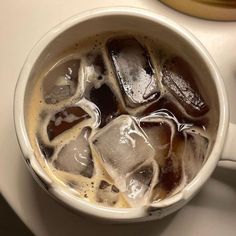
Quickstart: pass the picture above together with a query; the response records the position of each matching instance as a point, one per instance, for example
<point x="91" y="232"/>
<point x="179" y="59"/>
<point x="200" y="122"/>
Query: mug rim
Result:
<point x="109" y="213"/>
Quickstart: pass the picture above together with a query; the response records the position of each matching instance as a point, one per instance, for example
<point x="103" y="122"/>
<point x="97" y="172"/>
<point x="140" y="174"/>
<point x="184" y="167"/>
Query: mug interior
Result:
<point x="80" y="27"/>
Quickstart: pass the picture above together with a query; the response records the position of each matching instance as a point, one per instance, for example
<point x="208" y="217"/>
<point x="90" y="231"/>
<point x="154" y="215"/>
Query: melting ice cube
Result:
<point x="162" y="130"/>
<point x="123" y="149"/>
<point x="179" y="80"/>
<point x="161" y="126"/>
<point x="75" y="157"/>
<point x="159" y="134"/>
<point x="61" y="82"/>
<point x="140" y="183"/>
<point x="133" y="70"/>
<point x="107" y="193"/>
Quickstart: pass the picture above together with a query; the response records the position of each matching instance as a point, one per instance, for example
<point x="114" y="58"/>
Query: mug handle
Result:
<point x="229" y="151"/>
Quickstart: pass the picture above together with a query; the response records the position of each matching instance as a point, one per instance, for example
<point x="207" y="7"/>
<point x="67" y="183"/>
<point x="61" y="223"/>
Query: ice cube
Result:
<point x="104" y="98"/>
<point x="159" y="134"/>
<point x="107" y="193"/>
<point x="123" y="149"/>
<point x="64" y="120"/>
<point x="186" y="157"/>
<point x="134" y="70"/>
<point x="140" y="183"/>
<point x="178" y="78"/>
<point x="162" y="129"/>
<point x="170" y="178"/>
<point x="173" y="107"/>
<point x="75" y="157"/>
<point x="61" y="81"/>
<point x="196" y="145"/>
<point x="122" y="145"/>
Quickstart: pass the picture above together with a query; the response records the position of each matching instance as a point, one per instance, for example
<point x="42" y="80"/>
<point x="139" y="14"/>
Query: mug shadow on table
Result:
<point x="60" y="221"/>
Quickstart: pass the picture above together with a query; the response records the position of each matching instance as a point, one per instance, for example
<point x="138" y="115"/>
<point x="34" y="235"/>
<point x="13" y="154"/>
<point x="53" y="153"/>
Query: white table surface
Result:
<point x="22" y="23"/>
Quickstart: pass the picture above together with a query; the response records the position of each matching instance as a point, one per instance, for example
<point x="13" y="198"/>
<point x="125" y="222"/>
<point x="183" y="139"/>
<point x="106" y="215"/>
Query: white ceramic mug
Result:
<point x="112" y="19"/>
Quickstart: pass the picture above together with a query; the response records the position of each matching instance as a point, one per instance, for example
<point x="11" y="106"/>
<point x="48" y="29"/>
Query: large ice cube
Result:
<point x="178" y="78"/>
<point x="107" y="193"/>
<point x="122" y="145"/>
<point x="134" y="70"/>
<point x="75" y="157"/>
<point x="64" y="120"/>
<point x="123" y="149"/>
<point x="61" y="81"/>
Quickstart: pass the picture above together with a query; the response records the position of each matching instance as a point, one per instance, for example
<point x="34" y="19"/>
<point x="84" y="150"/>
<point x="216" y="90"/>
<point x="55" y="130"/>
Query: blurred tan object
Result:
<point x="209" y="9"/>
